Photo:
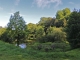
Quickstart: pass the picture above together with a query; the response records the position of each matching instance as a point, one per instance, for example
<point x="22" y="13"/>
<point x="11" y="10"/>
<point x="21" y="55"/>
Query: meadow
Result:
<point x="12" y="52"/>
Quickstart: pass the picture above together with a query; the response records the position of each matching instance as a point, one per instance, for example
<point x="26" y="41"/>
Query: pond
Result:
<point x="23" y="45"/>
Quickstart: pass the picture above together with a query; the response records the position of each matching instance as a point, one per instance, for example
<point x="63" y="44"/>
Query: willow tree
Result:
<point x="17" y="27"/>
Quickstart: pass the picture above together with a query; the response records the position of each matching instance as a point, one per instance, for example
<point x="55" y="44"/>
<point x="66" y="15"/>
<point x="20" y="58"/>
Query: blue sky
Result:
<point x="33" y="10"/>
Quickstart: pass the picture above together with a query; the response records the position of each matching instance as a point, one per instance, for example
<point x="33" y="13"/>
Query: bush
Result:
<point x="61" y="46"/>
<point x="44" y="39"/>
<point x="39" y="47"/>
<point x="54" y="34"/>
<point x="49" y="46"/>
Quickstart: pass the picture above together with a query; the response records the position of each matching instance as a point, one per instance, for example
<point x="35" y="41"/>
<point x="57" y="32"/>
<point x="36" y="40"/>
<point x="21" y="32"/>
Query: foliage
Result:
<point x="49" y="46"/>
<point x="62" y="16"/>
<point x="16" y="27"/>
<point x="2" y="30"/>
<point x="73" y="29"/>
<point x="7" y="37"/>
<point x="46" y="22"/>
<point x="39" y="31"/>
<point x="47" y="38"/>
<point x="61" y="46"/>
<point x="57" y="33"/>
<point x="34" y="31"/>
<point x="31" y="29"/>
<point x="54" y="34"/>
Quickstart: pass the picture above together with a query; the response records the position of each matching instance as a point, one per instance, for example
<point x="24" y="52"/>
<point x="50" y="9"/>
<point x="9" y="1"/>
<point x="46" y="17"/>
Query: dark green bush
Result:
<point x="61" y="46"/>
<point x="39" y="47"/>
<point x="49" y="46"/>
<point x="47" y="38"/>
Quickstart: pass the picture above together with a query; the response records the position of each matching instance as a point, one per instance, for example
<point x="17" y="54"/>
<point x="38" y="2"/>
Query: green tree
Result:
<point x="2" y="31"/>
<point x="73" y="29"/>
<point x="39" y="31"/>
<point x="59" y="14"/>
<point x="62" y="17"/>
<point x="31" y="30"/>
<point x="57" y="33"/>
<point x="66" y="12"/>
<point x="17" y="27"/>
<point x="46" y="22"/>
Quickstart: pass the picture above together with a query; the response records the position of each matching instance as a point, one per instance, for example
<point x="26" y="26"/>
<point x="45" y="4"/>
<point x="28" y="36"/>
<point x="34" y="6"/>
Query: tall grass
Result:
<point x="11" y="52"/>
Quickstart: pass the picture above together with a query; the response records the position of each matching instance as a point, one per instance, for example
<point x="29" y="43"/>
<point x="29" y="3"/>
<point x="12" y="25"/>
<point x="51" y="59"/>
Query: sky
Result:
<point x="33" y="10"/>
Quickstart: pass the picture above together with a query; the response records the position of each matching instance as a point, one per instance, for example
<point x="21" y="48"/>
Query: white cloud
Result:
<point x="46" y="3"/>
<point x="1" y="8"/>
<point x="17" y="2"/>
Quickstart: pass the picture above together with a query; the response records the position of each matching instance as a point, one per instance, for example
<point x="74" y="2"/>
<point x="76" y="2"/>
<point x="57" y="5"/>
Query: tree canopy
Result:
<point x="73" y="29"/>
<point x="17" y="27"/>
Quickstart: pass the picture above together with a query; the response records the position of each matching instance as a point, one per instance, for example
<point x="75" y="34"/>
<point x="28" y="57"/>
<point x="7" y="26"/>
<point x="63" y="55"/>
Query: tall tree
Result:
<point x="46" y="22"/>
<point x="73" y="29"/>
<point x="66" y="12"/>
<point x="59" y="14"/>
<point x="62" y="16"/>
<point x="17" y="27"/>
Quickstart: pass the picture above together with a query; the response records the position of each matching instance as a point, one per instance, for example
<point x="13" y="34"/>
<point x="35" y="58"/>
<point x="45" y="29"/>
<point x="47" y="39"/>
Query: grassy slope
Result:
<point x="10" y="52"/>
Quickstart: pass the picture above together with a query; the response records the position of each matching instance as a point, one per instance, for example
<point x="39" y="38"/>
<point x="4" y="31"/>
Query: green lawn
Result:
<point x="11" y="52"/>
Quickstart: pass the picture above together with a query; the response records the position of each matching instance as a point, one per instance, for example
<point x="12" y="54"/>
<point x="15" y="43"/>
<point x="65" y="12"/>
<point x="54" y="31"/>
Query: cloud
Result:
<point x="45" y="3"/>
<point x="17" y="2"/>
<point x="1" y="8"/>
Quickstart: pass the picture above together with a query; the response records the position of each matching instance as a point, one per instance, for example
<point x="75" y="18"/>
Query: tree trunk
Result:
<point x="17" y="42"/>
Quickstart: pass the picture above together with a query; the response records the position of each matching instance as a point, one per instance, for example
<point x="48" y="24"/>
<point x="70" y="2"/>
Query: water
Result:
<point x="23" y="45"/>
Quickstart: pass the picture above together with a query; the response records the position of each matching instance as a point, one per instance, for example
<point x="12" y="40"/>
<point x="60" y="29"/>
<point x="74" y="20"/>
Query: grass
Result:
<point x="11" y="52"/>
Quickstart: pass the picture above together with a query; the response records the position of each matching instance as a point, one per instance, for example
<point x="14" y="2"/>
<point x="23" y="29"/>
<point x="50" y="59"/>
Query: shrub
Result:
<point x="49" y="46"/>
<point x="47" y="38"/>
<point x="60" y="46"/>
<point x="39" y="47"/>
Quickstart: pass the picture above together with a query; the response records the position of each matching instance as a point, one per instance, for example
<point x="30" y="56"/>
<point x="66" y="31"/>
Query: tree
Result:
<point x="46" y="22"/>
<point x="17" y="27"/>
<point x="57" y="33"/>
<point x="73" y="29"/>
<point x="39" y="31"/>
<point x="2" y="31"/>
<point x="62" y="16"/>
<point x="66" y="12"/>
<point x="54" y="35"/>
<point x="59" y="14"/>
<point x="31" y="30"/>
